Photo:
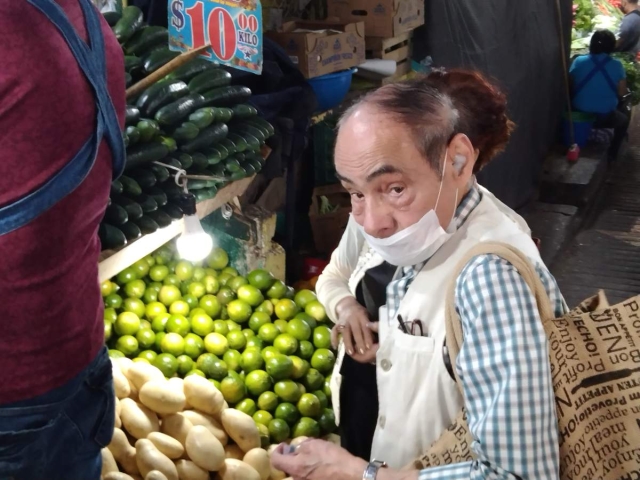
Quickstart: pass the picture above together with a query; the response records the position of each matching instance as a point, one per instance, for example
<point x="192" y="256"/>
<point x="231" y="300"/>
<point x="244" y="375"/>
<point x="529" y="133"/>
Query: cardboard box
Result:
<point x="328" y="228"/>
<point x="322" y="47"/>
<point x="383" y="18"/>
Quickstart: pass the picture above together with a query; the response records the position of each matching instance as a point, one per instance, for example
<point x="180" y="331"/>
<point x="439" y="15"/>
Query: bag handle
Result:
<point x="524" y="267"/>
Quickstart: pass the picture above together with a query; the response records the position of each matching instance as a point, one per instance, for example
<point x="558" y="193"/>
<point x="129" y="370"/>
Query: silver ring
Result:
<point x="341" y="327"/>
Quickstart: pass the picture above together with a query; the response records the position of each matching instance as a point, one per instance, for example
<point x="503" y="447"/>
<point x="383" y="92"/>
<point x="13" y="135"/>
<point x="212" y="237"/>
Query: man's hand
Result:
<point x="356" y="330"/>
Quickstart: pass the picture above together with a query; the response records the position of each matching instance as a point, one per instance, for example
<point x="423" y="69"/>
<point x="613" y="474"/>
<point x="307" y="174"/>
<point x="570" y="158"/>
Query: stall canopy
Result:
<point x="517" y="43"/>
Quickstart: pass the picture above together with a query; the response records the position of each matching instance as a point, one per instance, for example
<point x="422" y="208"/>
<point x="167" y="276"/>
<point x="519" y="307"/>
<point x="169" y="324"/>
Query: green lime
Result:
<point x="169" y="294"/>
<point x="185" y="365"/>
<point x="286" y="344"/>
<point x="223" y="280"/>
<point x="134" y="305"/>
<point x="306" y="427"/>
<point x="196" y="311"/>
<point x="211" y="284"/>
<point x="141" y="268"/>
<point x="167" y="364"/>
<point x="287" y="390"/>
<point x="178" y="324"/>
<point x="216" y="344"/>
<point x="239" y="311"/>
<point x="250" y="295"/>
<point x="323" y="360"/>
<point x="218" y="259"/>
<point x="327" y="386"/>
<point x="268" y="332"/>
<point x="184" y="270"/>
<point x="257" y="320"/>
<point x="327" y="421"/>
<point x="225" y="295"/>
<point x="141" y="360"/>
<point x="211" y="305"/>
<point x="159" y="323"/>
<point x="280" y="367"/>
<point x="290" y="294"/>
<point x="248" y="333"/>
<point x="127" y="275"/>
<point x="236" y="339"/>
<point x="233" y="359"/>
<point x="107" y="288"/>
<point x="308" y="319"/>
<point x="127" y="323"/>
<point x="149" y="355"/>
<point x="281" y="325"/>
<point x="324" y="400"/>
<point x="251" y="360"/>
<point x="202" y="324"/>
<point x="235" y="283"/>
<point x="305" y="350"/>
<point x="146" y="338"/>
<point x="179" y="307"/>
<point x="230" y="270"/>
<point x="172" y="343"/>
<point x="233" y="389"/>
<point x="210" y="272"/>
<point x="316" y="310"/>
<point x="309" y="406"/>
<point x="277" y="290"/>
<point x="163" y="255"/>
<point x="128" y="345"/>
<point x="110" y="314"/>
<point x="261" y="279"/>
<point x="254" y="342"/>
<point x="278" y="430"/>
<point x="172" y="280"/>
<point x="268" y="401"/>
<point x="150" y="296"/>
<point x="145" y="324"/>
<point x="322" y="337"/>
<point x="266" y="307"/>
<point x="269" y="352"/>
<point x="218" y="369"/>
<point x="197" y="289"/>
<point x="313" y="380"/>
<point x="191" y="300"/>
<point x="221" y="327"/>
<point x="205" y="363"/>
<point x="159" y="337"/>
<point x="287" y="412"/>
<point x="263" y="417"/>
<point x="193" y="345"/>
<point x="299" y="329"/>
<point x="116" y="354"/>
<point x="158" y="273"/>
<point x="223" y="313"/>
<point x="135" y="289"/>
<point x="247" y="406"/>
<point x="302" y="388"/>
<point x="300" y="367"/>
<point x="231" y="325"/>
<point x="195" y="371"/>
<point x="155" y="309"/>
<point x="198" y="274"/>
<point x="286" y="309"/>
<point x="304" y="297"/>
<point x="108" y="330"/>
<point x="113" y="301"/>
<point x="257" y="382"/>
<point x="155" y="286"/>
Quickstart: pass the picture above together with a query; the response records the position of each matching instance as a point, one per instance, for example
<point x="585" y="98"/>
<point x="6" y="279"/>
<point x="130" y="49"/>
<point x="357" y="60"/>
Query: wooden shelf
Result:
<point x="113" y="262"/>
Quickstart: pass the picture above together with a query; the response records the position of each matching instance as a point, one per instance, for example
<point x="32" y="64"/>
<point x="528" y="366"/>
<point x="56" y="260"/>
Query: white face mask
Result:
<point x="418" y="242"/>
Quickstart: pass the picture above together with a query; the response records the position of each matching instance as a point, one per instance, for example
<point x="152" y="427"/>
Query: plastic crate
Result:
<point x="324" y="140"/>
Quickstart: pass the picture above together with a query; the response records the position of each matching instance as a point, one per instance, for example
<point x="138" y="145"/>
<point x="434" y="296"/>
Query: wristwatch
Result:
<point x="371" y="472"/>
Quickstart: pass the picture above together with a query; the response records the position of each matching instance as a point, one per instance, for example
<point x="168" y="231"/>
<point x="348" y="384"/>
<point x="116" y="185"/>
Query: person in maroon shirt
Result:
<point x="62" y="105"/>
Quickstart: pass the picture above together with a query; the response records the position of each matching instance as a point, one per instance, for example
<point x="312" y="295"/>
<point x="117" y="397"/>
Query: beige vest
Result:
<point x="418" y="399"/>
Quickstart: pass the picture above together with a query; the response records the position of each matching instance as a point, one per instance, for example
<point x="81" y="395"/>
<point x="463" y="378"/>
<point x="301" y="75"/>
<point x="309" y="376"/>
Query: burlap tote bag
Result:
<point x="595" y="364"/>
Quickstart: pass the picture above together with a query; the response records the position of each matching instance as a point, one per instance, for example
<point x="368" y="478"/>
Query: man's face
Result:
<point x="391" y="184"/>
<point x="625" y="6"/>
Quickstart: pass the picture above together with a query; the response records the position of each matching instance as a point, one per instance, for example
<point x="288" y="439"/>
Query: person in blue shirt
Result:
<point x="598" y="82"/>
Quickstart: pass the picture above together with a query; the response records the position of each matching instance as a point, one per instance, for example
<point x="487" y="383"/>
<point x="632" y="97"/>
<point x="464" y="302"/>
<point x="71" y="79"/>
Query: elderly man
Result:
<point x="407" y="153"/>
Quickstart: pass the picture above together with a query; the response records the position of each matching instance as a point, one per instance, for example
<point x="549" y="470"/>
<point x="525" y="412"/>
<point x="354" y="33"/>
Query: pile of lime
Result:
<point x="266" y="347"/>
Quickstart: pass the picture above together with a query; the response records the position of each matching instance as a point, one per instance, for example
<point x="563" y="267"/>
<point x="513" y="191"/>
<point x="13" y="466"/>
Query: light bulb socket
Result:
<point x="187" y="203"/>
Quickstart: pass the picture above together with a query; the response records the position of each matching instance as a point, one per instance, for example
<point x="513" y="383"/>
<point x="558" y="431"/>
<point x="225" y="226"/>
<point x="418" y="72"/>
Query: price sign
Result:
<point x="232" y="28"/>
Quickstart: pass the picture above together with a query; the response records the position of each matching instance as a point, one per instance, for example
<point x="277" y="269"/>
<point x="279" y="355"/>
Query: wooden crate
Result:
<point x="328" y="228"/>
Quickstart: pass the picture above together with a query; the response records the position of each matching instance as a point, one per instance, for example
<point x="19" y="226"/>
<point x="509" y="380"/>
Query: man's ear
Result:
<point x="464" y="155"/>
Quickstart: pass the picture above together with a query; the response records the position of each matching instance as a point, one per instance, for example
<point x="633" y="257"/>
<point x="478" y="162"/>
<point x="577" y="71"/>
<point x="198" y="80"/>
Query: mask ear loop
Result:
<point x="455" y="204"/>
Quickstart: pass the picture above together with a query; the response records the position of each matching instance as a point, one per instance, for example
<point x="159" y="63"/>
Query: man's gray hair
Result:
<point x="429" y="114"/>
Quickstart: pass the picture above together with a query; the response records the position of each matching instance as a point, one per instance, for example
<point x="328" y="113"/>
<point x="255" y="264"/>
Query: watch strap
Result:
<point x="371" y="472"/>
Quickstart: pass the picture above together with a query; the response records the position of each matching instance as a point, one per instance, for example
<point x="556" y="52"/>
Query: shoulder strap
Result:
<point x="524" y="267"/>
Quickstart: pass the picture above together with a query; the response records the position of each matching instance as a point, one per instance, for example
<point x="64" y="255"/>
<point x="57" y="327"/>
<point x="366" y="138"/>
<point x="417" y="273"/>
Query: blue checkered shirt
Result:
<point x="503" y="366"/>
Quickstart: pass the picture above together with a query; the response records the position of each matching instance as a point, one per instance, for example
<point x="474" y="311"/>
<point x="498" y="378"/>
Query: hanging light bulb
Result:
<point x="194" y="244"/>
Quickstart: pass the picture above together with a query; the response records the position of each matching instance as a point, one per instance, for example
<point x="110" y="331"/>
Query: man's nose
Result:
<point x="377" y="220"/>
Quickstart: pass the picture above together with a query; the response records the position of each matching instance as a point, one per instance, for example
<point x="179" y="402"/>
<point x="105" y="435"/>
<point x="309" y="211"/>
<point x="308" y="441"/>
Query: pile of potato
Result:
<point x="179" y="430"/>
